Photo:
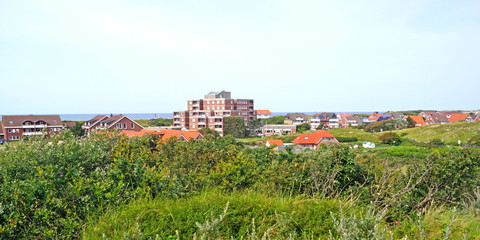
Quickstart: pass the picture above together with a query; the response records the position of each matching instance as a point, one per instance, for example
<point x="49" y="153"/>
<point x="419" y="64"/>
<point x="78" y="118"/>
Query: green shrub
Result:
<point x="390" y="138"/>
<point x="347" y="139"/>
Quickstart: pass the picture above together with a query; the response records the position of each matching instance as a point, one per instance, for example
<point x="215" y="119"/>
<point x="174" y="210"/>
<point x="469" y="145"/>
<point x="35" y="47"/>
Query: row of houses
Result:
<point x="329" y="120"/>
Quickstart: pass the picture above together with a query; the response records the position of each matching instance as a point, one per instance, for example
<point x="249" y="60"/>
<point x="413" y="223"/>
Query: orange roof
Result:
<point x="456" y="117"/>
<point x="186" y="135"/>
<point x="277" y="142"/>
<point x="132" y="133"/>
<point x="417" y="119"/>
<point x="263" y="112"/>
<point x="374" y="116"/>
<point x="312" y="138"/>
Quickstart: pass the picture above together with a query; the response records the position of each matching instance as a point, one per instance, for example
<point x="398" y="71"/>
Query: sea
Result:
<point x="137" y="116"/>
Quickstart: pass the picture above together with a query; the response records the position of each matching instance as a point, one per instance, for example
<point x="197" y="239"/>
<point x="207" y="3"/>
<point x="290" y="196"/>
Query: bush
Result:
<point x="475" y="140"/>
<point x="390" y="138"/>
<point x="347" y="139"/>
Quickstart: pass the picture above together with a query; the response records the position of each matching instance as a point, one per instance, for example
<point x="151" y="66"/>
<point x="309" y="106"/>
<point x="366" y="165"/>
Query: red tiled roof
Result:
<point x="187" y="135"/>
<point x="277" y="142"/>
<point x="263" y="112"/>
<point x="456" y="117"/>
<point x="133" y="133"/>
<point x="374" y="116"/>
<point x="312" y="138"/>
<point x="417" y="119"/>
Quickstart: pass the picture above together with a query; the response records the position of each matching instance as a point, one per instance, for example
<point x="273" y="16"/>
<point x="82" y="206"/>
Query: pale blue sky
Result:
<point x="151" y="56"/>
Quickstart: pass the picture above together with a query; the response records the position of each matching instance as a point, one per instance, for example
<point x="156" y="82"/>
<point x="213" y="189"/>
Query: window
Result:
<point x="14" y="137"/>
<point x="119" y="125"/>
<point x="124" y="126"/>
<point x="133" y="125"/>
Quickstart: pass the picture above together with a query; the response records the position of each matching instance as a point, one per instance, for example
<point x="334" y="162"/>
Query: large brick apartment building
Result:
<point x="210" y="111"/>
<point x="17" y="127"/>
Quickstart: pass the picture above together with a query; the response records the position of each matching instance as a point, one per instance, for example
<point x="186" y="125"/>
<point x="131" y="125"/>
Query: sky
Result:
<point x="150" y="56"/>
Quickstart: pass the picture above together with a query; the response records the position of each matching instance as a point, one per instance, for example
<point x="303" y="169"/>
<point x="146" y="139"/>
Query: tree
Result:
<point x="274" y="120"/>
<point x="410" y="123"/>
<point x="320" y="127"/>
<point x="303" y="127"/>
<point x="390" y="138"/>
<point x="234" y="126"/>
<point x="77" y="129"/>
<point x="209" y="133"/>
<point x="253" y="125"/>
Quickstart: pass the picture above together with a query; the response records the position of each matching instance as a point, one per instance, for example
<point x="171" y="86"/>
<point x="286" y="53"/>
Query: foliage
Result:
<point x="274" y="120"/>
<point x="410" y="123"/>
<point x="390" y="138"/>
<point x="50" y="188"/>
<point x="475" y="140"/>
<point x="209" y="133"/>
<point x="347" y="139"/>
<point x="157" y="122"/>
<point x="77" y="129"/>
<point x="385" y="125"/>
<point x="303" y="127"/>
<point x="253" y="125"/>
<point x="436" y="142"/>
<point x="234" y="126"/>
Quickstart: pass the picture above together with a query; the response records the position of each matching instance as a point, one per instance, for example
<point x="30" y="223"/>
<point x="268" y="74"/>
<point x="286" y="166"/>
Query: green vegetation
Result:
<point x="303" y="127"/>
<point x="114" y="187"/>
<point x="157" y="122"/>
<point x="274" y="120"/>
<point x="390" y="138"/>
<point x="234" y="126"/>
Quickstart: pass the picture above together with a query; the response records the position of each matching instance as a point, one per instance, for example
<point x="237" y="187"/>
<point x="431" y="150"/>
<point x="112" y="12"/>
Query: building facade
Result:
<point x="210" y="111"/>
<point x="104" y="122"/>
<point x="17" y="127"/>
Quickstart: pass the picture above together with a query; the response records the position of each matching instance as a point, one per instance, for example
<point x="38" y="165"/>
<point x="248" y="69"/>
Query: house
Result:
<point x="112" y="122"/>
<point x="296" y="118"/>
<point x="417" y="119"/>
<point x="374" y="117"/>
<point x="279" y="129"/>
<point x="314" y="140"/>
<point x="210" y="111"/>
<point x="457" y="117"/>
<point x="178" y="134"/>
<point x="435" y="118"/>
<point x="262" y="114"/>
<point x="165" y="134"/>
<point x="476" y="117"/>
<point x="16" y="127"/>
<point x="384" y="117"/>
<point x="325" y="119"/>
<point x="425" y="114"/>
<point x="350" y="121"/>
<point x="396" y="115"/>
<point x="274" y="142"/>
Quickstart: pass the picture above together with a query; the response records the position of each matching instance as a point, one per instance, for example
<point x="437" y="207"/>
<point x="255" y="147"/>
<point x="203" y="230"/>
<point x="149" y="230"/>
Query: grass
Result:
<point x="248" y="212"/>
<point x="252" y="215"/>
<point x="449" y="133"/>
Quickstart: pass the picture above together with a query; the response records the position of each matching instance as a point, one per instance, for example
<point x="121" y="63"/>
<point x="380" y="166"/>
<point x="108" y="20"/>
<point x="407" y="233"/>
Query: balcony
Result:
<point x="35" y="126"/>
<point x="32" y="133"/>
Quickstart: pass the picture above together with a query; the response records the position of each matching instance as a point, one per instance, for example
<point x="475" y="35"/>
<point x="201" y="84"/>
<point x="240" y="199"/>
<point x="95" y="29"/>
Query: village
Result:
<point x="213" y="111"/>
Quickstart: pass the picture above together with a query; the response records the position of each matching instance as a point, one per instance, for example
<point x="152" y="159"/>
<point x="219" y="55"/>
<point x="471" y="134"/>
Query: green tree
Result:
<point x="390" y="138"/>
<point x="209" y="133"/>
<point x="303" y="127"/>
<point x="234" y="126"/>
<point x="77" y="129"/>
<point x="410" y="123"/>
<point x="274" y="120"/>
<point x="253" y="125"/>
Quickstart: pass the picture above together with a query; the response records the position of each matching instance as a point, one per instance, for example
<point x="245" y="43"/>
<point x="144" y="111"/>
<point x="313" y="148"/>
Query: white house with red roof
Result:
<point x="314" y="140"/>
<point x="262" y="114"/>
